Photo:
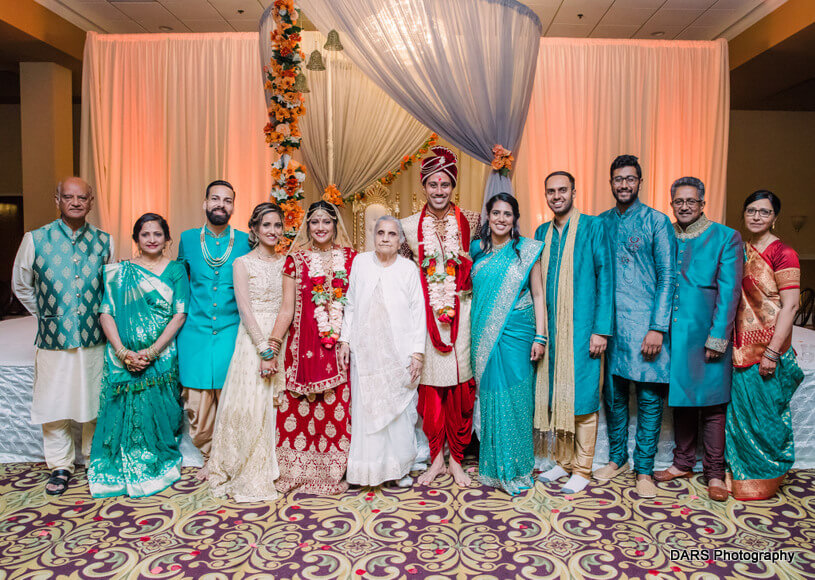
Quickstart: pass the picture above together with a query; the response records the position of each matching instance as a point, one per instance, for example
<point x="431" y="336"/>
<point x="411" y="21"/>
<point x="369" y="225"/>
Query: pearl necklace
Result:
<point x="216" y="262"/>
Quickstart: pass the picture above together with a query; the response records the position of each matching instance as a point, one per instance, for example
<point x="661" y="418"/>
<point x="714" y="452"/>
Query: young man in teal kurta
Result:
<point x="708" y="288"/>
<point x="643" y="248"/>
<point x="578" y="272"/>
<point x="207" y="339"/>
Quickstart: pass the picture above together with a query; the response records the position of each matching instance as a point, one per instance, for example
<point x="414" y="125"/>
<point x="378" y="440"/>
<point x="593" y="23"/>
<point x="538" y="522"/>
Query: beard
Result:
<point x="218" y="219"/>
<point x="634" y="194"/>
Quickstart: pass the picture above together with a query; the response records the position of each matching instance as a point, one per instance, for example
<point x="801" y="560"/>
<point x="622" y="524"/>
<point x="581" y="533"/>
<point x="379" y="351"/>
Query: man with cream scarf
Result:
<point x="576" y="269"/>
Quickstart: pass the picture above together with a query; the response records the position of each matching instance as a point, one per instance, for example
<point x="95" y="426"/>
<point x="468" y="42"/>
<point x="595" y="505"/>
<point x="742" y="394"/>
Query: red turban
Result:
<point x="442" y="160"/>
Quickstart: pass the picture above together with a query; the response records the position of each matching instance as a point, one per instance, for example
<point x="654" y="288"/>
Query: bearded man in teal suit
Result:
<point x="579" y="311"/>
<point x="708" y="289"/>
<point x="207" y="339"/>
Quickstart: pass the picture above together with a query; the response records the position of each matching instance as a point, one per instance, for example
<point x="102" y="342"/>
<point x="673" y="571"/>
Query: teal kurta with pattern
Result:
<point x="708" y="289"/>
<point x="68" y="284"/>
<point x="593" y="311"/>
<point x="207" y="340"/>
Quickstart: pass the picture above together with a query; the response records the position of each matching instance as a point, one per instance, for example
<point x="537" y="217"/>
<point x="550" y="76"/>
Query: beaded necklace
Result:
<point x="216" y="262"/>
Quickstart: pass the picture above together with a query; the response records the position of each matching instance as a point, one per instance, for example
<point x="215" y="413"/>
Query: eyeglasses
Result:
<point x="764" y="213"/>
<point x="691" y="203"/>
<point x="629" y="179"/>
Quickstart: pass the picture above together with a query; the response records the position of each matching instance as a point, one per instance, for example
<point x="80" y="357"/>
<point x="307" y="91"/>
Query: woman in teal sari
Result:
<point x="507" y="339"/>
<point x="135" y="446"/>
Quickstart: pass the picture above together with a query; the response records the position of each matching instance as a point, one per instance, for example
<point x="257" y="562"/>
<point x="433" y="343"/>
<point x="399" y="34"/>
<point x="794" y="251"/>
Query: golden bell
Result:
<point x="300" y="84"/>
<point x="333" y="41"/>
<point x="315" y="61"/>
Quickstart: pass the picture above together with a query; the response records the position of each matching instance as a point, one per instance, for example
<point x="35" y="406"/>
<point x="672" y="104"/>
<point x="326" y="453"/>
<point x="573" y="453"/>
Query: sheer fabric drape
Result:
<point x="665" y="102"/>
<point x="353" y="133"/>
<point x="464" y="68"/>
<point x="165" y="114"/>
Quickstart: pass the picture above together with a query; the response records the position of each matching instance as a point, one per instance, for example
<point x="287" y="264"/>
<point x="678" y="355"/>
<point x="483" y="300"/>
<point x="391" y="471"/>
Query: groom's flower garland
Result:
<point x="286" y="106"/>
<point x="329" y="296"/>
<point x="441" y="273"/>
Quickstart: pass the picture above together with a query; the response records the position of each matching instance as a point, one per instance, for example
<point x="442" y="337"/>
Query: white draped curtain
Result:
<point x="464" y="68"/>
<point x="353" y="133"/>
<point x="165" y="114"/>
<point x="667" y="102"/>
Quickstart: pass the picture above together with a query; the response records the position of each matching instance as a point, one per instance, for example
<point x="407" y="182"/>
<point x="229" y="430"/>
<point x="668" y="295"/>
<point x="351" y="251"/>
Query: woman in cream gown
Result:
<point x="243" y="464"/>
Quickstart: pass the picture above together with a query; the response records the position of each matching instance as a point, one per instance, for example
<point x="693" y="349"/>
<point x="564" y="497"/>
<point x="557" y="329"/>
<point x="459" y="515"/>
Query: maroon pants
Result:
<point x="686" y="434"/>
<point x="447" y="413"/>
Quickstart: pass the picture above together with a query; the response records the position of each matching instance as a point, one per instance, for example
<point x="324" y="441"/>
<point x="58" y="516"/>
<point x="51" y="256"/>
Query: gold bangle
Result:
<point x="275" y="340"/>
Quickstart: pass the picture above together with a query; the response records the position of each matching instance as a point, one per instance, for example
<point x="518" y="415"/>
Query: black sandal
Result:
<point x="60" y="477"/>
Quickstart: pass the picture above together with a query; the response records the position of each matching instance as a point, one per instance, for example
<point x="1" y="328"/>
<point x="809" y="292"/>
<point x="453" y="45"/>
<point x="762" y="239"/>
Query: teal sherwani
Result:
<point x="708" y="289"/>
<point x="593" y="299"/>
<point x="207" y="339"/>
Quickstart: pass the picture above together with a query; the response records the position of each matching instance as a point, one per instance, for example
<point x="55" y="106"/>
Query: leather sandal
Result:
<point x="59" y="477"/>
<point x="668" y="475"/>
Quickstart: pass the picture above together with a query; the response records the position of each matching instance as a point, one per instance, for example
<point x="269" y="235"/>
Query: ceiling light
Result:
<point x="658" y="33"/>
<point x="166" y="28"/>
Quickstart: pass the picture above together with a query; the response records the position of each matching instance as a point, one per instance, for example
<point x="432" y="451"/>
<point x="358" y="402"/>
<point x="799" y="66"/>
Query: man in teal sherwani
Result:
<point x="643" y="249"/>
<point x="207" y="339"/>
<point x="579" y="311"/>
<point x="708" y="288"/>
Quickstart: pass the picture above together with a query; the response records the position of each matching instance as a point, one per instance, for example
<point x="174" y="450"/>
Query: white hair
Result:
<point x="390" y="218"/>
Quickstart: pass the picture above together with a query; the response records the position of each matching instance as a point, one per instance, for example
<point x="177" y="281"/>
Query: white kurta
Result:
<point x="67" y="383"/>
<point x="384" y="324"/>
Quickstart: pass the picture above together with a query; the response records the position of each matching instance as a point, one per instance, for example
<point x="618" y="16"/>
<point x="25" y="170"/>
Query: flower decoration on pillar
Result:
<point x="286" y="106"/>
<point x="502" y="160"/>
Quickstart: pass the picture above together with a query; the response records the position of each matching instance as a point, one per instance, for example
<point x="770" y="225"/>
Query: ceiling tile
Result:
<point x="638" y="4"/>
<point x="620" y="15"/>
<point x="718" y="18"/>
<point x="569" y="30"/>
<point x="191" y="9"/>
<point x="212" y="25"/>
<point x="699" y="33"/>
<point x="546" y="15"/>
<point x="229" y="9"/>
<point x="614" y="30"/>
<point x="151" y="16"/>
<point x="688" y="4"/>
<point x="668" y="32"/>
<point x="744" y="5"/>
<point x="570" y="9"/>
<point x="99" y="10"/>
<point x="675" y="17"/>
<point x="245" y="25"/>
<point x="123" y="27"/>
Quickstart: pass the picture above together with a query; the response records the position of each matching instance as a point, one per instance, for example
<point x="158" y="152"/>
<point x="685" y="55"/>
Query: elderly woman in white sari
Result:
<point x="383" y="340"/>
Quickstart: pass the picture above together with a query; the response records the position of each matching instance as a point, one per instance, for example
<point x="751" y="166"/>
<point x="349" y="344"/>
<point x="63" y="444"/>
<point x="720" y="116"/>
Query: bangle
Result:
<point x="775" y="352"/>
<point x="540" y="339"/>
<point x="275" y="340"/>
<point x="152" y="352"/>
<point x="268" y="354"/>
<point x="770" y="355"/>
<point x="121" y="354"/>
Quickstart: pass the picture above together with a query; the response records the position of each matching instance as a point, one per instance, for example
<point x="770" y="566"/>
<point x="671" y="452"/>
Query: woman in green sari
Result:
<point x="135" y="447"/>
<point x="759" y="443"/>
<point x="507" y="340"/>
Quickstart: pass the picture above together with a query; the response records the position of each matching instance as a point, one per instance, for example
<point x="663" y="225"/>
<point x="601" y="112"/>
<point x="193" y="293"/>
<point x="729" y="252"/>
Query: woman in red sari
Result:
<point x="760" y="447"/>
<point x="313" y="420"/>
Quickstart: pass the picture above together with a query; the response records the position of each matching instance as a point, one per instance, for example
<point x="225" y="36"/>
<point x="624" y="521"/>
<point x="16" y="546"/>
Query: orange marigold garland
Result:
<point x="333" y="195"/>
<point x="286" y="106"/>
<point x="502" y="160"/>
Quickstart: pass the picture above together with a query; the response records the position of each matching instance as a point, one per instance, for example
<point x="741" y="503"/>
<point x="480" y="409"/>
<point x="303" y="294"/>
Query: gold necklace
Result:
<point x="216" y="262"/>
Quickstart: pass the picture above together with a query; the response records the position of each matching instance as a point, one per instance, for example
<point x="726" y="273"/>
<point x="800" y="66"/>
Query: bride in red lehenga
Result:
<point x="313" y="420"/>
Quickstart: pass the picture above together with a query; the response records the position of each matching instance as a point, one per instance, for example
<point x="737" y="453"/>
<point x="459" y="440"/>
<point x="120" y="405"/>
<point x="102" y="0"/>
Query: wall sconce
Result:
<point x="798" y="222"/>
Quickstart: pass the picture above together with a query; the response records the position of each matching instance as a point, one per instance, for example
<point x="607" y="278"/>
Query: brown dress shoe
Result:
<point x="669" y="474"/>
<point x="717" y="493"/>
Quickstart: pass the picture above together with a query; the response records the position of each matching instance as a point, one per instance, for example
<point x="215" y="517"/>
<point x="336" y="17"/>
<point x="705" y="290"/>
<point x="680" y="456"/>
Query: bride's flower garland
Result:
<point x="286" y="106"/>
<point x="441" y="273"/>
<point x="329" y="297"/>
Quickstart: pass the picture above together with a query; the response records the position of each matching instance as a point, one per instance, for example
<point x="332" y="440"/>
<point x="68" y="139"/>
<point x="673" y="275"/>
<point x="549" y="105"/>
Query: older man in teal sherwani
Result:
<point x="579" y="311"/>
<point x="643" y="248"/>
<point x="708" y="288"/>
<point x="207" y="339"/>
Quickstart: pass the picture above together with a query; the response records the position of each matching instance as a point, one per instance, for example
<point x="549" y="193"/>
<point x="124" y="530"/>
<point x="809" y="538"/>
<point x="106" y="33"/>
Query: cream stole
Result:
<point x="562" y="413"/>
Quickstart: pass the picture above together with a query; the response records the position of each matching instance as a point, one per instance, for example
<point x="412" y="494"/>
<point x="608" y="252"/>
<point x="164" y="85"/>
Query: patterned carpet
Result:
<point x="432" y="532"/>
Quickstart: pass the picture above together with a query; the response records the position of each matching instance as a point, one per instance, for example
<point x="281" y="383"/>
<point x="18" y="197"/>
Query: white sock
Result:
<point x="575" y="484"/>
<point x="553" y="474"/>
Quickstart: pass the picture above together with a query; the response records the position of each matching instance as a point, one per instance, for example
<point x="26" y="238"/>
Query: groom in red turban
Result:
<point x="438" y="239"/>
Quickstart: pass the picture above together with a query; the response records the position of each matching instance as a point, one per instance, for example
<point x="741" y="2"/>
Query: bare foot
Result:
<point x="461" y="478"/>
<point x="437" y="468"/>
<point x="203" y="473"/>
